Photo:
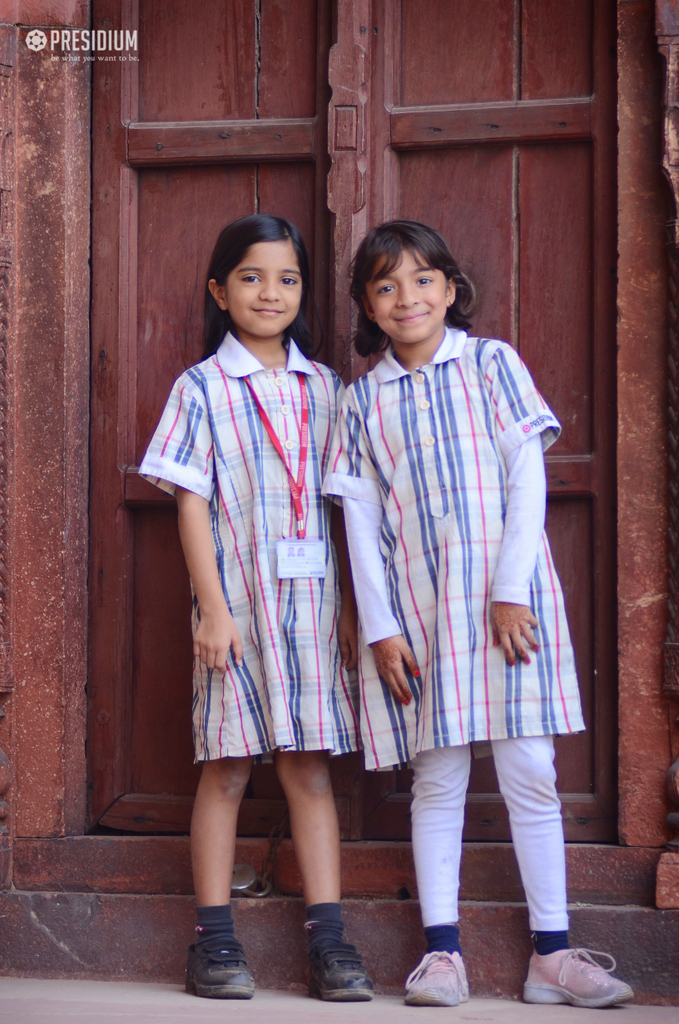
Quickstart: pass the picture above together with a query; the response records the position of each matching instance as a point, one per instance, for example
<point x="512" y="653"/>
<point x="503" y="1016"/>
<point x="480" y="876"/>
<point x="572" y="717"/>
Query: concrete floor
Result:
<point x="93" y="1002"/>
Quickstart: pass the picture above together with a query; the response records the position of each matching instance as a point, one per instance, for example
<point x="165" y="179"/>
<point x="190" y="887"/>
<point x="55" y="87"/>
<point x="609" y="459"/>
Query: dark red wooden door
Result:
<point x="493" y="121"/>
<point x="224" y="114"/>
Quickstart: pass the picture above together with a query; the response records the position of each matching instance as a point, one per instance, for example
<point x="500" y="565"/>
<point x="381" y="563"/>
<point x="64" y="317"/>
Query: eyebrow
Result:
<point x="385" y="277"/>
<point x="242" y="270"/>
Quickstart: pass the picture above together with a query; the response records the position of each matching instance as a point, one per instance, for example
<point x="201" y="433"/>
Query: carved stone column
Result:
<point x="667" y="28"/>
<point x="349" y="75"/>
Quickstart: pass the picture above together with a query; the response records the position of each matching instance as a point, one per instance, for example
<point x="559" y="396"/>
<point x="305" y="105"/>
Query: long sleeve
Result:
<point x="363" y="521"/>
<point x="524" y="523"/>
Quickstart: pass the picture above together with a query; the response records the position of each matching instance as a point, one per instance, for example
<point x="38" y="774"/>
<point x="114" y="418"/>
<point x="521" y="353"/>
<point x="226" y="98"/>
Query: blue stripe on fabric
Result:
<point x="187" y="445"/>
<point x="293" y="666"/>
<point x="427" y="526"/>
<point x="510" y="387"/>
<point x="486" y="397"/>
<point x="544" y="657"/>
<point x="253" y="706"/>
<point x="353" y="445"/>
<point x="365" y="400"/>
<point x="458" y="489"/>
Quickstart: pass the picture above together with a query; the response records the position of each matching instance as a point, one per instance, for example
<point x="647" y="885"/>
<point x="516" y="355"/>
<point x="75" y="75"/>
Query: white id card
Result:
<point x="300" y="558"/>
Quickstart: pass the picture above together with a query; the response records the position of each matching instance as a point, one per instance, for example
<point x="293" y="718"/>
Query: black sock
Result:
<point x="214" y="924"/>
<point x="324" y="924"/>
<point x="443" y="938"/>
<point x="549" y="942"/>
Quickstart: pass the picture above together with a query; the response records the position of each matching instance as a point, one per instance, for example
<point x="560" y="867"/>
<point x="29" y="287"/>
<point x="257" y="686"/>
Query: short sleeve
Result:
<point x="181" y="450"/>
<point x="519" y="409"/>
<point x="352" y="472"/>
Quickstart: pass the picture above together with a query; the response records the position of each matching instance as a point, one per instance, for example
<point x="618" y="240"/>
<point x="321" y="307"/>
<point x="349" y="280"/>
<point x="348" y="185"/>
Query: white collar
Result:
<point x="237" y="361"/>
<point x="451" y="347"/>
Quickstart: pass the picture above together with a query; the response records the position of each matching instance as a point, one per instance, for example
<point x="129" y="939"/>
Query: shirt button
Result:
<point x="291" y="444"/>
<point x="429" y="441"/>
<point x="285" y="409"/>
<point x="424" y="404"/>
<point x="279" y="382"/>
<point x="419" y="377"/>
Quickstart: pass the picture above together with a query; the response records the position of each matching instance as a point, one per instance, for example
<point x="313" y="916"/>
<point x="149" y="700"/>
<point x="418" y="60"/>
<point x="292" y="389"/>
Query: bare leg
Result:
<point x="213" y="828"/>
<point x="305" y="777"/>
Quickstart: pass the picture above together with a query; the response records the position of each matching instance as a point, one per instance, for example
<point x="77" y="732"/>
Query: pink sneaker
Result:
<point x="438" y="980"/>
<point x="573" y="976"/>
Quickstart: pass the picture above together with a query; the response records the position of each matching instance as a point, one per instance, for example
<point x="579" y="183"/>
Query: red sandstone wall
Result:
<point x="50" y="354"/>
<point x="643" y="205"/>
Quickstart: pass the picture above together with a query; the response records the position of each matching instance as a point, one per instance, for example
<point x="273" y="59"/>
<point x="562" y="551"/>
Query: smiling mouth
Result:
<point x="268" y="312"/>
<point x="410" y="319"/>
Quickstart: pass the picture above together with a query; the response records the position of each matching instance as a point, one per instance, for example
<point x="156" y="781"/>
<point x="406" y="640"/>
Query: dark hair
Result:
<point x="382" y="248"/>
<point x="230" y="249"/>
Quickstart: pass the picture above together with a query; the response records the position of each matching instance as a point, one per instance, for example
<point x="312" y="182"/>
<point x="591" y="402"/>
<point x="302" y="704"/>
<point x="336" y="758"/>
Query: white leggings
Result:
<point x="525" y="771"/>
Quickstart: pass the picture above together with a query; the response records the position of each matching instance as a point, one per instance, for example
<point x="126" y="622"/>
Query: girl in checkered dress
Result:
<point x="438" y="460"/>
<point x="244" y="443"/>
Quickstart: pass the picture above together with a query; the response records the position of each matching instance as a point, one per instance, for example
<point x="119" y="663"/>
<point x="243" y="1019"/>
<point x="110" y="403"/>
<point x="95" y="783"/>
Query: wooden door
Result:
<point x="494" y="122"/>
<point x="224" y="114"/>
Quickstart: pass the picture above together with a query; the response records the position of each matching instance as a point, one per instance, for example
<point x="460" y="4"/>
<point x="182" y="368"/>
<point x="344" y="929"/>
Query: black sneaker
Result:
<point x="218" y="970"/>
<point x="338" y="974"/>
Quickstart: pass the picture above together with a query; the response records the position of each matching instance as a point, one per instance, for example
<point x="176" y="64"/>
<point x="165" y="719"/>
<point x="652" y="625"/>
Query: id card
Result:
<point x="300" y="558"/>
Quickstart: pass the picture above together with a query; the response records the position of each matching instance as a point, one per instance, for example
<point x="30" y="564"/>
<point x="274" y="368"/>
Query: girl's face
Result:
<point x="263" y="293"/>
<point x="410" y="302"/>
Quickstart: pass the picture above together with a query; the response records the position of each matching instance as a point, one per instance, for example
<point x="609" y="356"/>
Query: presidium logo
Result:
<point x="74" y="43"/>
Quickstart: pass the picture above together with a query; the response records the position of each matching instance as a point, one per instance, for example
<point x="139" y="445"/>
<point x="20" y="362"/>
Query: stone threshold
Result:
<point x="597" y="873"/>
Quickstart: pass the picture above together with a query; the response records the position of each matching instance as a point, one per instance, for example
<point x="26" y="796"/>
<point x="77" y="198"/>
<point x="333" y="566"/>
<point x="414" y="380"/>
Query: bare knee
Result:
<point x="226" y="778"/>
<point x="305" y="772"/>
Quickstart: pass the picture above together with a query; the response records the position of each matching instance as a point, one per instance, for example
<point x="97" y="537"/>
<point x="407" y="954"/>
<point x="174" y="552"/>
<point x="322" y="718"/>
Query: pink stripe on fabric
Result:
<point x="207" y="458"/>
<point x="201" y="699"/>
<point x="557" y="637"/>
<point x="410" y="585"/>
<point x="485" y="550"/>
<point x="378" y="406"/>
<point x="179" y="409"/>
<point x="366" y="715"/>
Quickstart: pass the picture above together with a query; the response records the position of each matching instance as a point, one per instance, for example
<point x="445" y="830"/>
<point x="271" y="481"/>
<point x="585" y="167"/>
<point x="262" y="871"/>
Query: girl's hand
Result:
<point x="390" y="654"/>
<point x="511" y="624"/>
<point x="347" y="634"/>
<point x="215" y="635"/>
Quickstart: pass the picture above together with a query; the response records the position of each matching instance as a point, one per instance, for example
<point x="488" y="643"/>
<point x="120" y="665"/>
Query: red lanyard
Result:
<point x="296" y="486"/>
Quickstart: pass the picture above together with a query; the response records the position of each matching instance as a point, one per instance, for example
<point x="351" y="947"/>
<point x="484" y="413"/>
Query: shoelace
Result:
<point x="587" y="957"/>
<point x="433" y="963"/>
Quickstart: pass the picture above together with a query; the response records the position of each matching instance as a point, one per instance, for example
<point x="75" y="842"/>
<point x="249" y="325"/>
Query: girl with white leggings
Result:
<point x="437" y="459"/>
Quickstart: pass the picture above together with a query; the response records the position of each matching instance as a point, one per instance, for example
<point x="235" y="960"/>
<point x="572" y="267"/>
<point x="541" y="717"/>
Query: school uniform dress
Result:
<point x="291" y="691"/>
<point x="429" y="447"/>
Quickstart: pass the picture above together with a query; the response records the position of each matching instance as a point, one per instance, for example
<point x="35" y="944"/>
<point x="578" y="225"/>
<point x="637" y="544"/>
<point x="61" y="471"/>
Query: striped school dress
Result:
<point x="291" y="691"/>
<point x="429" y="446"/>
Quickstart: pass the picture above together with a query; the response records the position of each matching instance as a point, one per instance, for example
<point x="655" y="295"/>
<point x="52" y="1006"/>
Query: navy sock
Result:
<point x="324" y="924"/>
<point x="443" y="938"/>
<point x="214" y="924"/>
<point x="549" y="942"/>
